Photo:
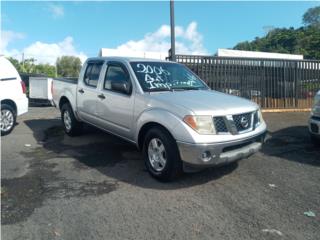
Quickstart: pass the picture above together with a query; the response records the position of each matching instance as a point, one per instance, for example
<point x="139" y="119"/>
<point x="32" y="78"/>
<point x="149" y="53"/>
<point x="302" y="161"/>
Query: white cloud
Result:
<point x="46" y="52"/>
<point x="188" y="41"/>
<point x="7" y="37"/>
<point x="49" y="52"/>
<point x="57" y="11"/>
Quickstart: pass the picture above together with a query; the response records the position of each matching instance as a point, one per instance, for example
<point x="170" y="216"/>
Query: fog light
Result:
<point x="206" y="156"/>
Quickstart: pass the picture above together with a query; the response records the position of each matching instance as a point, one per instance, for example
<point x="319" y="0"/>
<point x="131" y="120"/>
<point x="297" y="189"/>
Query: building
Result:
<point x="252" y="54"/>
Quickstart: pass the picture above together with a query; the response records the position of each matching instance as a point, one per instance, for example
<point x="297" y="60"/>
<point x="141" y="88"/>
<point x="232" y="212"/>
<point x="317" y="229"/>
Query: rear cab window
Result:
<point x="92" y="73"/>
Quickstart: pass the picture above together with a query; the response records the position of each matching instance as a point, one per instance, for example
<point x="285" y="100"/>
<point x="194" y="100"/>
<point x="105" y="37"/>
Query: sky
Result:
<point x="46" y="30"/>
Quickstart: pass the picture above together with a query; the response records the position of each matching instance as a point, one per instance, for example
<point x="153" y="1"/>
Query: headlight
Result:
<point x="315" y="110"/>
<point x="260" y="116"/>
<point x="257" y="118"/>
<point x="201" y="124"/>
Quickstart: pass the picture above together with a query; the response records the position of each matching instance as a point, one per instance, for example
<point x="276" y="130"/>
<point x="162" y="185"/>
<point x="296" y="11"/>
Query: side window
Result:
<point x="92" y="73"/>
<point x="116" y="74"/>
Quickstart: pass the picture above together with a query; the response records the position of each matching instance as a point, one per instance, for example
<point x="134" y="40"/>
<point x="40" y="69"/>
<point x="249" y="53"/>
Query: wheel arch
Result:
<point x="10" y="103"/>
<point x="145" y="128"/>
<point x="63" y="100"/>
<point x="164" y="119"/>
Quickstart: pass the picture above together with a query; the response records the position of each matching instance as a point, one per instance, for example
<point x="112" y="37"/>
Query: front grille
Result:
<point x="242" y="121"/>
<point x="220" y="125"/>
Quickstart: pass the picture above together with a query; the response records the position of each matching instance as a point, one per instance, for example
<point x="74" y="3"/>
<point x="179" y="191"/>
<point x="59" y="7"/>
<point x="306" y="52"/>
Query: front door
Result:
<point x="116" y="108"/>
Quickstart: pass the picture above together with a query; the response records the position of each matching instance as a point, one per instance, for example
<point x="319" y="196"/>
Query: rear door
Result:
<point x="115" y="110"/>
<point x="87" y="92"/>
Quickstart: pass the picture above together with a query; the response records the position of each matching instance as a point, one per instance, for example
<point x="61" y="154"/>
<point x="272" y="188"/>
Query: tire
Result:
<point x="71" y="125"/>
<point x="163" y="164"/>
<point x="8" y="119"/>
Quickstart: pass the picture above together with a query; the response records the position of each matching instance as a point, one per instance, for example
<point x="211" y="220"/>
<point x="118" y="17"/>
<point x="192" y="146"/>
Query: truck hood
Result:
<point x="206" y="102"/>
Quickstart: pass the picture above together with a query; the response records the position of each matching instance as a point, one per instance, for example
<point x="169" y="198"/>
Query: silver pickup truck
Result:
<point x="164" y="109"/>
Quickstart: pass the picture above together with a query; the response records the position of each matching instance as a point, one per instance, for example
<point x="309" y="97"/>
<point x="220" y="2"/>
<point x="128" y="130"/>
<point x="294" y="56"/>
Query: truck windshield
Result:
<point x="166" y="76"/>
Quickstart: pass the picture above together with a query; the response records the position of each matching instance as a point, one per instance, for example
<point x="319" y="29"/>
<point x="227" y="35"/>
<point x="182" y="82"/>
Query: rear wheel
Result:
<point x="161" y="155"/>
<point x="8" y="119"/>
<point x="71" y="125"/>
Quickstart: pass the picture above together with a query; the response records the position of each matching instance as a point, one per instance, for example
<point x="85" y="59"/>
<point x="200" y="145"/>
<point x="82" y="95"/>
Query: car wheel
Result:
<point x="161" y="155"/>
<point x="8" y="119"/>
<point x="71" y="125"/>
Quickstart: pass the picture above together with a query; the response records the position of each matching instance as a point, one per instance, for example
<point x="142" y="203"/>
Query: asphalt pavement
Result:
<point x="95" y="186"/>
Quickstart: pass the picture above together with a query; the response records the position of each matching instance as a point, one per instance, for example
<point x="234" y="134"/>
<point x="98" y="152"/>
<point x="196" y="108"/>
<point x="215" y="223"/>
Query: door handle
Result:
<point x="101" y="96"/>
<point x="81" y="91"/>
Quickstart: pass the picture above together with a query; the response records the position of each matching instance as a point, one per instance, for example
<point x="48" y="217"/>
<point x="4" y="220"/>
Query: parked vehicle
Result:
<point x="40" y="90"/>
<point x="314" y="120"/>
<point x="12" y="96"/>
<point x="164" y="109"/>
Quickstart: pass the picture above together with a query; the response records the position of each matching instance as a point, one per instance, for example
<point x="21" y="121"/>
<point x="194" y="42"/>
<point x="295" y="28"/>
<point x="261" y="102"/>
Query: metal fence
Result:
<point x="272" y="83"/>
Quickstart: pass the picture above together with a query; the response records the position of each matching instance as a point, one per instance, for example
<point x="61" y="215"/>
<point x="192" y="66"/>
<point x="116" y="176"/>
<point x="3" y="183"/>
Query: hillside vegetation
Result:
<point x="304" y="40"/>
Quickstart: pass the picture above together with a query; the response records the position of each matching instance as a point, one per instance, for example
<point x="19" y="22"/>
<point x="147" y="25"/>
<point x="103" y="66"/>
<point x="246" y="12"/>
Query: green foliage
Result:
<point x="29" y="66"/>
<point x="46" y="69"/>
<point x="312" y="17"/>
<point x="68" y="66"/>
<point x="15" y="63"/>
<point x="303" y="40"/>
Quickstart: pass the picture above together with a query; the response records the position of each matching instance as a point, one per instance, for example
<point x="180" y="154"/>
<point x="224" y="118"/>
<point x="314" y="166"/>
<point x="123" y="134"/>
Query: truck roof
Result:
<point x="126" y="59"/>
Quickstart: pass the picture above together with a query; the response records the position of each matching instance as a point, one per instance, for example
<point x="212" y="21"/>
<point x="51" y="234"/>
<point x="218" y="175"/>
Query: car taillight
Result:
<point x="24" y="89"/>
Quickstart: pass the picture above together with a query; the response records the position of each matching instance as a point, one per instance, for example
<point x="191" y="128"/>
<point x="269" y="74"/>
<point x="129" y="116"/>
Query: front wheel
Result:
<point x="161" y="155"/>
<point x="8" y="119"/>
<point x="71" y="125"/>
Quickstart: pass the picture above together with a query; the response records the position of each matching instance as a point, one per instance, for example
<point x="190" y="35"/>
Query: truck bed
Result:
<point x="64" y="87"/>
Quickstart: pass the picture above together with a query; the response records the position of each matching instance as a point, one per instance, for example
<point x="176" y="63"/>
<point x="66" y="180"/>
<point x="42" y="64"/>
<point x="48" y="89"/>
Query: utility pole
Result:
<point x="22" y="60"/>
<point x="173" y="44"/>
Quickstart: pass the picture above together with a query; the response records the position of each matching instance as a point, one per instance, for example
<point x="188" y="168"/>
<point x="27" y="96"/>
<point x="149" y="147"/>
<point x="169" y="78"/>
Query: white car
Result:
<point x="314" y="121"/>
<point x="12" y="96"/>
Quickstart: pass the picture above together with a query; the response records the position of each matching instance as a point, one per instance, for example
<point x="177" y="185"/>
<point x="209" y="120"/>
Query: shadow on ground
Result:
<point x="293" y="144"/>
<point x="58" y="153"/>
<point x="109" y="155"/>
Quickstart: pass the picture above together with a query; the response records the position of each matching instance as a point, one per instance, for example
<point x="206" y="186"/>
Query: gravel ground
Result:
<point x="95" y="186"/>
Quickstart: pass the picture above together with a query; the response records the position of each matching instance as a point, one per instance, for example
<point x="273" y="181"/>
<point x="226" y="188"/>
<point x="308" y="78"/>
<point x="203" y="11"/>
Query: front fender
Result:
<point x="174" y="124"/>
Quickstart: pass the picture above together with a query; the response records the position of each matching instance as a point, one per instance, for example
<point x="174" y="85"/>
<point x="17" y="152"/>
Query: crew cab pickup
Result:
<point x="163" y="108"/>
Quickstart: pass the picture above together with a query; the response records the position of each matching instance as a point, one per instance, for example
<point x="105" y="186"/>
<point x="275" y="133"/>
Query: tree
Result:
<point x="30" y="66"/>
<point x="46" y="69"/>
<point x="68" y="66"/>
<point x="312" y="17"/>
<point x="303" y="40"/>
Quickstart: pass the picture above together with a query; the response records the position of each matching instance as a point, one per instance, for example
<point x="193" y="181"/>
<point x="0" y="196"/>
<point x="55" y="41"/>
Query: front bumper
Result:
<point x="219" y="153"/>
<point x="314" y="126"/>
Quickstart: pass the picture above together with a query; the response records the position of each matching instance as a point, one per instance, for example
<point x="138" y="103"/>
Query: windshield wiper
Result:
<point x="186" y="88"/>
<point x="160" y="89"/>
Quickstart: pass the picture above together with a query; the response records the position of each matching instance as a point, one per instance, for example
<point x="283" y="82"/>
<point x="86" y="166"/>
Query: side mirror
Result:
<point x="121" y="86"/>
